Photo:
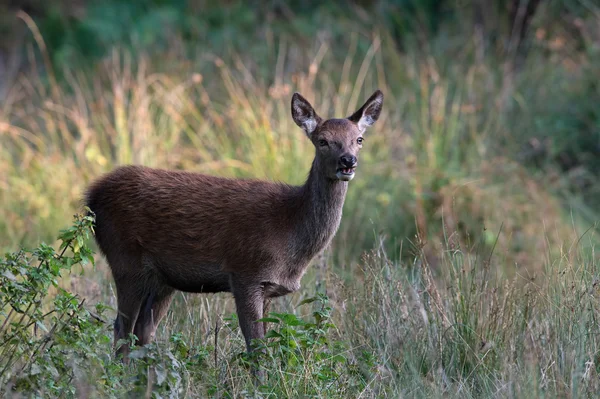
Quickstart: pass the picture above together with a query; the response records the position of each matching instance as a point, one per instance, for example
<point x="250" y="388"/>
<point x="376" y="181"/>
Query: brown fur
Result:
<point x="163" y="230"/>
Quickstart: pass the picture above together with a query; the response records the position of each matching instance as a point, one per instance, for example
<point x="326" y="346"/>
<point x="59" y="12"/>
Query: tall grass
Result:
<point x="392" y="331"/>
<point x="475" y="334"/>
<point x="458" y="271"/>
<point x="434" y="157"/>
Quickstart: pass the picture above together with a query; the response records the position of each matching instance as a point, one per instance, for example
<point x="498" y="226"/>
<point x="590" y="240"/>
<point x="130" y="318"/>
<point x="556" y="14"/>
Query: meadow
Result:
<point x="465" y="264"/>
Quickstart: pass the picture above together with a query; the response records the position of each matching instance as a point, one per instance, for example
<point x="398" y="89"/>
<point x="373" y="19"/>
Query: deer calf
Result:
<point x="164" y="230"/>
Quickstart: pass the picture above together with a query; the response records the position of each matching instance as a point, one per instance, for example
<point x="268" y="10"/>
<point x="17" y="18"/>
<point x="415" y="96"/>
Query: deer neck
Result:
<point x="319" y="209"/>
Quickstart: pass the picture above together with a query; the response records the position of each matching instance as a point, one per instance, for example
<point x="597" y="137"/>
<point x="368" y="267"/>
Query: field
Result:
<point x="465" y="264"/>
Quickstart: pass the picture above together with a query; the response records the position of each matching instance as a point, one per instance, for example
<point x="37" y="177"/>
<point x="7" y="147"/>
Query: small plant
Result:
<point x="156" y="371"/>
<point x="301" y="357"/>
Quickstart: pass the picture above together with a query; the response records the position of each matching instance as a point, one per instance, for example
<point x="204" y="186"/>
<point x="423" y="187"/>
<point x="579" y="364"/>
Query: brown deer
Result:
<point x="164" y="230"/>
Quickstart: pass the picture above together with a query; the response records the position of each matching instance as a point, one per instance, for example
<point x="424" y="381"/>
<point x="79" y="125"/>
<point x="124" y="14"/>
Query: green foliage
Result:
<point x="43" y="338"/>
<point x="304" y="351"/>
<point x="157" y="370"/>
<point x="399" y="332"/>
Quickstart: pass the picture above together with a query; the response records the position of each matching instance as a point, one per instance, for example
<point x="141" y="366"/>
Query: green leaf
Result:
<point x="41" y="326"/>
<point x="161" y="374"/>
<point x="138" y="353"/>
<point x="8" y="274"/>
<point x="291" y="319"/>
<point x="35" y="369"/>
<point x="308" y="300"/>
<point x="273" y="334"/>
<point x="338" y="359"/>
<point x="268" y="320"/>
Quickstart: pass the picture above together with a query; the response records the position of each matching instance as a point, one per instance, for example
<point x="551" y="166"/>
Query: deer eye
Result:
<point x="322" y="143"/>
<point x="360" y="140"/>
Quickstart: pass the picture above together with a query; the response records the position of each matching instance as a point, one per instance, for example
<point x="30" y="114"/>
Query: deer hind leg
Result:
<point x="152" y="311"/>
<point x="129" y="298"/>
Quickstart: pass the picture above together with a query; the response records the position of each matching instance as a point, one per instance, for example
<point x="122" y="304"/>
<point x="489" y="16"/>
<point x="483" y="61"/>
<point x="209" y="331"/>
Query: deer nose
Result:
<point x="348" y="161"/>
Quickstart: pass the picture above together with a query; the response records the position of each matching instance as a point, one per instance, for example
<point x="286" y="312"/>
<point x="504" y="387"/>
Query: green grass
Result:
<point x="465" y="264"/>
<point x="393" y="330"/>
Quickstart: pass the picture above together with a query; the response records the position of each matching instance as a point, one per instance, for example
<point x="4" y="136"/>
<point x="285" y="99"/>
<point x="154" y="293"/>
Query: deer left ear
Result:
<point x="369" y="112"/>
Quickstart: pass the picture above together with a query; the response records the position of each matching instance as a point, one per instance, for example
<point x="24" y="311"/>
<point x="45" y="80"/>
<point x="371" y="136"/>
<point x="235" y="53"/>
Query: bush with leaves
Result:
<point x="47" y="341"/>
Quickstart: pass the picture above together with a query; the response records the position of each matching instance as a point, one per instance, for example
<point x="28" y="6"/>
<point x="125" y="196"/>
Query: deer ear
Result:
<point x="369" y="112"/>
<point x="304" y="115"/>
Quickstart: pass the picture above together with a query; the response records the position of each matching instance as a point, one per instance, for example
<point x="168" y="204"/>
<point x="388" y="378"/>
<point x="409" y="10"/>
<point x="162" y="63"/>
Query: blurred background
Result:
<point x="465" y="263"/>
<point x="490" y="135"/>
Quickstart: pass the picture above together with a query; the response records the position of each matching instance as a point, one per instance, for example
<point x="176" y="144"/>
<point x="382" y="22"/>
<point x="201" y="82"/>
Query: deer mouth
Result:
<point x="345" y="174"/>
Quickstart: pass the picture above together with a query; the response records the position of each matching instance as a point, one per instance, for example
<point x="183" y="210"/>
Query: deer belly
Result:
<point x="199" y="278"/>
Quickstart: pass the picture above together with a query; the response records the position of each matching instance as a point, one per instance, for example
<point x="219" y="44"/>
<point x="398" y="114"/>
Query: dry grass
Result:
<point x="429" y="162"/>
<point x="481" y="284"/>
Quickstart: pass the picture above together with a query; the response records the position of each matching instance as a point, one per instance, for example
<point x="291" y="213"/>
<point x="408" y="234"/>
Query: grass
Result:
<point x="394" y="330"/>
<point x="428" y="147"/>
<point x="465" y="265"/>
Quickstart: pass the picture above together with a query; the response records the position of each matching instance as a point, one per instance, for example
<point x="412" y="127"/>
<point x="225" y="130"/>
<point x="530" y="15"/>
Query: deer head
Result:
<point x="337" y="141"/>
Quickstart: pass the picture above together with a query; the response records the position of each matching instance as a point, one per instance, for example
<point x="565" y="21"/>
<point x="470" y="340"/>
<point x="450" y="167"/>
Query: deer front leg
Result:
<point x="266" y="308"/>
<point x="249" y="301"/>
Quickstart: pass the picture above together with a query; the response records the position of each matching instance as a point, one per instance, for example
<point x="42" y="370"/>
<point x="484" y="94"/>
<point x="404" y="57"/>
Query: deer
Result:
<point x="163" y="231"/>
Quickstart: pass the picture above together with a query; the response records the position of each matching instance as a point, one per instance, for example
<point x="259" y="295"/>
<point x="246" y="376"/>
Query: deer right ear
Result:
<point x="304" y="115"/>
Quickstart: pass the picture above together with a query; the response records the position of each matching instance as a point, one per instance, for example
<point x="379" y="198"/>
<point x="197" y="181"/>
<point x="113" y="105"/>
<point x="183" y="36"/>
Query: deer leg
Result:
<point x="129" y="299"/>
<point x="154" y="308"/>
<point x="266" y="307"/>
<point x="249" y="300"/>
